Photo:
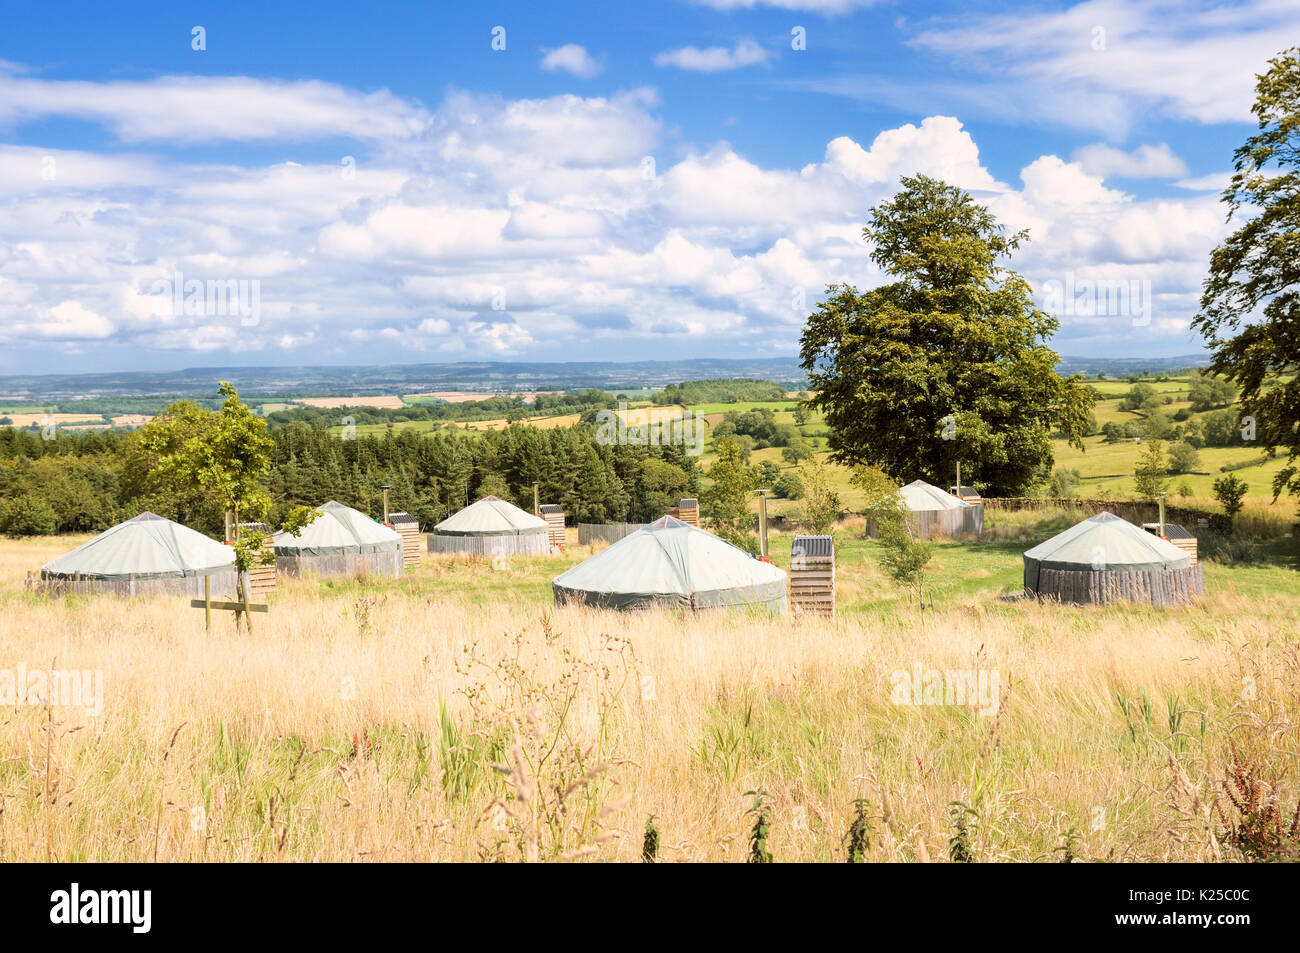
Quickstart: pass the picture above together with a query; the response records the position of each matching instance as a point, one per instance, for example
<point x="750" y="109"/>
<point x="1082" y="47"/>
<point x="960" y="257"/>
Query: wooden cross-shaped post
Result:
<point x="243" y="610"/>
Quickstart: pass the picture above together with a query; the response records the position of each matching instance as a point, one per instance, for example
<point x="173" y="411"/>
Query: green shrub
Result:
<point x="28" y="515"/>
<point x="788" y="487"/>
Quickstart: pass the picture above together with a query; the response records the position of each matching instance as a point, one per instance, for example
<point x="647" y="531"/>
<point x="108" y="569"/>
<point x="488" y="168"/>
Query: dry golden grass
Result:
<point x="319" y="737"/>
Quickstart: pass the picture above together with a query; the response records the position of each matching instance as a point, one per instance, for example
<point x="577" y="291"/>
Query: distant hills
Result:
<point x="466" y="376"/>
<point x="1124" y="366"/>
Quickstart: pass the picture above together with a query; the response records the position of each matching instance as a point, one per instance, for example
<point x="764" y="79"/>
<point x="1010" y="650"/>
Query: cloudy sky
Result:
<point x="565" y="181"/>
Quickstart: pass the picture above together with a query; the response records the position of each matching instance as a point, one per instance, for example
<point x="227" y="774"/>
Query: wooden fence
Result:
<point x="1135" y="511"/>
<point x="1160" y="587"/>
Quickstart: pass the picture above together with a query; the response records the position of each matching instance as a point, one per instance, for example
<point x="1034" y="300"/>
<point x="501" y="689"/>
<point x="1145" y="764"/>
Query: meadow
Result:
<point x="456" y="714"/>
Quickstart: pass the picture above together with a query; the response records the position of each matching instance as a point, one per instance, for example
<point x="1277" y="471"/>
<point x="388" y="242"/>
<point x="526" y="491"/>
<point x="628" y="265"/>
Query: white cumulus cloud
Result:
<point x="573" y="59"/>
<point x="713" y="59"/>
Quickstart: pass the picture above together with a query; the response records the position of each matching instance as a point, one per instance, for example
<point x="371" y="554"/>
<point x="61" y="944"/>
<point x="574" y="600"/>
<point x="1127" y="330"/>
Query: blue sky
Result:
<point x="620" y="181"/>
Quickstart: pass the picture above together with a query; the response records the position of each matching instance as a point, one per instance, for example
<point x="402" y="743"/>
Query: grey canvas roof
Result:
<point x="1103" y="542"/>
<point x="491" y="516"/>
<point x="920" y="496"/>
<point x="147" y="546"/>
<point x="671" y="563"/>
<point x="338" y="531"/>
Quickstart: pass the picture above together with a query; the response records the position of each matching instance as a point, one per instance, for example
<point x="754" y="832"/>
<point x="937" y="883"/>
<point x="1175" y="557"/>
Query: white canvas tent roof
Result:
<point x="339" y="530"/>
<point x="671" y="563"/>
<point x="491" y="516"/>
<point x="920" y="496"/>
<point x="147" y="546"/>
<point x="1103" y="542"/>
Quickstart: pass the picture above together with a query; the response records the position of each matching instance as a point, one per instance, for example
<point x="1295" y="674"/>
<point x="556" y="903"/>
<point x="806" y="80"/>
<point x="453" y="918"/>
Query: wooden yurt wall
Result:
<point x="553" y="513"/>
<point x="950" y="524"/>
<point x="406" y="526"/>
<point x="222" y="585"/>
<point x="589" y="533"/>
<point x="527" y="544"/>
<point x="1159" y="587"/>
<point x="261" y="577"/>
<point x="812" y="574"/>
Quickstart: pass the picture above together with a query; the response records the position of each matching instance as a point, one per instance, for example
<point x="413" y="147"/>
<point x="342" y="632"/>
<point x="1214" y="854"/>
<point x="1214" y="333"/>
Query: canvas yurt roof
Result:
<point x="670" y="562"/>
<point x="920" y="496"/>
<point x="339" y="530"/>
<point x="491" y="516"/>
<point x="1104" y="541"/>
<point x="147" y="546"/>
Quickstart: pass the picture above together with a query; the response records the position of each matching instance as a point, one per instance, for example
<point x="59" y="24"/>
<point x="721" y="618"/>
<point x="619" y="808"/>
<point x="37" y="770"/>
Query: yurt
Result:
<point x="491" y="527"/>
<point x="670" y="563"/>
<point x="340" y="542"/>
<point x="936" y="512"/>
<point x="1106" y="559"/>
<point x="145" y="555"/>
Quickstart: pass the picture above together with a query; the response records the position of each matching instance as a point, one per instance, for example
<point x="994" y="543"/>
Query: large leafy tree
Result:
<point x="947" y="363"/>
<point x="1250" y="307"/>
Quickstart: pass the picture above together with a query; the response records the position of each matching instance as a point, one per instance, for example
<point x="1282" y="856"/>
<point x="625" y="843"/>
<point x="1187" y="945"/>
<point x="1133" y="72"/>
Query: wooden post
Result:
<point x="207" y="604"/>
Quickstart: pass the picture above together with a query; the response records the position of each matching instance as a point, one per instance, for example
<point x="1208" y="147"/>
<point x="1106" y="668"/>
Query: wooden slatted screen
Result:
<point x="812" y="574"/>
<point x="261" y="578"/>
<point x="553" y="513"/>
<point x="406" y="526"/>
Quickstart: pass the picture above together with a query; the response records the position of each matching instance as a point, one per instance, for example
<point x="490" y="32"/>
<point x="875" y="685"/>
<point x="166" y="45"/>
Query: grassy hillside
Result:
<point x="1106" y="468"/>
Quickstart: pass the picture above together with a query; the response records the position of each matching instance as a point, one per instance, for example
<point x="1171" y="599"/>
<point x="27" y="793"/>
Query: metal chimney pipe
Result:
<point x="385" y="488"/>
<point x="762" y="525"/>
<point x="1162" y="514"/>
<point x="537" y="510"/>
